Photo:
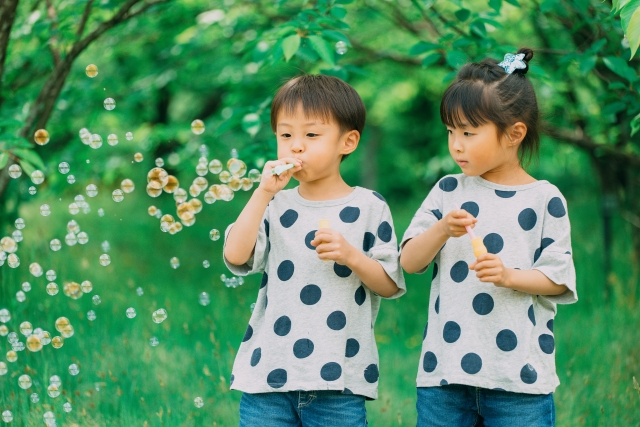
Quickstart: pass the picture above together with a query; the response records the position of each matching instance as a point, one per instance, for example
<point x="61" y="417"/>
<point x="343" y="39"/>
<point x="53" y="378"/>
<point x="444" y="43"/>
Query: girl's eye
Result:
<point x="468" y="134"/>
<point x="285" y="135"/>
<point x="311" y="135"/>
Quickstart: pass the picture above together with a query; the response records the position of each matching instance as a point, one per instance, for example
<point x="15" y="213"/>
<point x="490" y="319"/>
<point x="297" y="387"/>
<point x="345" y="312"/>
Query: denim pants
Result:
<point x="457" y="405"/>
<point x="321" y="408"/>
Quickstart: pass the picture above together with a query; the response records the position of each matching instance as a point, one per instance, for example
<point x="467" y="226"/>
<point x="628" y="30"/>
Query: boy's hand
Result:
<point x="271" y="183"/>
<point x="330" y="245"/>
<point x="489" y="268"/>
<point x="453" y="223"/>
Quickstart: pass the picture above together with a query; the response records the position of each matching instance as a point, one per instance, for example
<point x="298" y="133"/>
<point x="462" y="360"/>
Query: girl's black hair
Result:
<point x="483" y="92"/>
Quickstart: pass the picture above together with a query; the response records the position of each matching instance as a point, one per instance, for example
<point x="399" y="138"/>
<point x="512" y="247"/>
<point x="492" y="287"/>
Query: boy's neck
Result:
<point x="327" y="188"/>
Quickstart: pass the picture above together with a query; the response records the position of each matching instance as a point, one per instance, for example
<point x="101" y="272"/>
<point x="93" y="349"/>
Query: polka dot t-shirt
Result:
<point x="479" y="334"/>
<point x="312" y="326"/>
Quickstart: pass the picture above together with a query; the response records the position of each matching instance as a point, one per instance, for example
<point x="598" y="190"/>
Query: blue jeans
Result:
<point x="457" y="405"/>
<point x="302" y="409"/>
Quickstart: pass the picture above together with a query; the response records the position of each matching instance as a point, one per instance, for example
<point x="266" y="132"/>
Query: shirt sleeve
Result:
<point x="258" y="261"/>
<point x="385" y="251"/>
<point x="554" y="256"/>
<point x="429" y="213"/>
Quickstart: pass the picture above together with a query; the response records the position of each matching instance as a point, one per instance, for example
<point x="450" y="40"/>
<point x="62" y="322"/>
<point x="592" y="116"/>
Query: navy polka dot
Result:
<point x="277" y="378"/>
<point x="437" y="213"/>
<point x="435" y="271"/>
<point x="546" y="241"/>
<point x="266" y="301"/>
<point x="265" y="279"/>
<point x="528" y="374"/>
<point x="310" y="294"/>
<point x="308" y="238"/>
<point x="336" y="320"/>
<point x="443" y="382"/>
<point x="448" y="184"/>
<point x="498" y="389"/>
<point x="471" y="207"/>
<point x="459" y="271"/>
<point x="385" y="231"/>
<point x="361" y="295"/>
<point x="341" y="270"/>
<point x="424" y="333"/>
<point x="255" y="357"/>
<point x="493" y="242"/>
<point x="471" y="363"/>
<point x="371" y="374"/>
<point x="248" y="334"/>
<point x="368" y="241"/>
<point x="532" y="315"/>
<point x="350" y="214"/>
<point x="231" y="379"/>
<point x="550" y="325"/>
<point x="353" y="347"/>
<point x="302" y="348"/>
<point x="451" y="332"/>
<point x="505" y="194"/>
<point x="379" y="196"/>
<point x="282" y="326"/>
<point x="429" y="362"/>
<point x="547" y="343"/>
<point x="347" y="391"/>
<point x="527" y="219"/>
<point x="506" y="340"/>
<point x="482" y="304"/>
<point x="437" y="306"/>
<point x="266" y="227"/>
<point x="556" y="208"/>
<point x="288" y="218"/>
<point x="285" y="270"/>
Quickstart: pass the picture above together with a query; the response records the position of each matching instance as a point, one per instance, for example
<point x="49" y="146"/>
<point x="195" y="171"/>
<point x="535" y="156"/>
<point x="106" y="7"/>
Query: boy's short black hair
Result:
<point x="326" y="97"/>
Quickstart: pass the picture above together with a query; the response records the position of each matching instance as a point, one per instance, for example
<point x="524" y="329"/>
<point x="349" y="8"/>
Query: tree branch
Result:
<point x="432" y="27"/>
<point x="84" y="19"/>
<point x="7" y="17"/>
<point x="51" y="14"/>
<point x="385" y="55"/>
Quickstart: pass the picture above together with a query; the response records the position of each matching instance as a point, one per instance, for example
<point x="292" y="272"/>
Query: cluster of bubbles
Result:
<point x="231" y="282"/>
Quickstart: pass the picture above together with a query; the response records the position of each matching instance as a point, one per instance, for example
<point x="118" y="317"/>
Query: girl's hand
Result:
<point x="489" y="268"/>
<point x="454" y="222"/>
<point x="271" y="183"/>
<point x="331" y="245"/>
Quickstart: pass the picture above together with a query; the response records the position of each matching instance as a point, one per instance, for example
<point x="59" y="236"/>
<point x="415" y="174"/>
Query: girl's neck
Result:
<point x="508" y="174"/>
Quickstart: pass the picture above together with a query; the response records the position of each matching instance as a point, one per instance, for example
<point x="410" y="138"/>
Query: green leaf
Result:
<point x="323" y="49"/>
<point x="456" y="59"/>
<point x="4" y="157"/>
<point x="30" y="156"/>
<point x="620" y="67"/>
<point x="513" y="2"/>
<point x="10" y="123"/>
<point x="587" y="63"/>
<point x="547" y="5"/>
<point x="251" y="124"/>
<point x="422" y="47"/>
<point x="633" y="32"/>
<point x="614" y="108"/>
<point x="635" y="125"/>
<point x="431" y="59"/>
<point x="621" y="5"/>
<point x="336" y="35"/>
<point x="290" y="46"/>
<point x="344" y="1"/>
<point x="339" y="12"/>
<point x="462" y="14"/>
<point x="27" y="167"/>
<point x="478" y="28"/>
<point x="495" y="5"/>
<point x="627" y="12"/>
<point x="617" y="86"/>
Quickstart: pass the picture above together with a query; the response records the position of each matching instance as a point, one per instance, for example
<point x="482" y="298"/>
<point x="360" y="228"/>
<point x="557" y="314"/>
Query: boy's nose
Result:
<point x="297" y="146"/>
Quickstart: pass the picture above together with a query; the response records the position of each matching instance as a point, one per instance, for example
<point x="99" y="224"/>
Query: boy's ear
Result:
<point x="517" y="133"/>
<point x="351" y="140"/>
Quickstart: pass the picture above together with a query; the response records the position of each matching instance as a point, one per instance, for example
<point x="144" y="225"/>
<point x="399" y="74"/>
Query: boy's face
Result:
<point x="319" y="144"/>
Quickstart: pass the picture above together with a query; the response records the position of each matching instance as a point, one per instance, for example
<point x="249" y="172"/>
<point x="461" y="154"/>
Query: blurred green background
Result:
<point x="167" y="63"/>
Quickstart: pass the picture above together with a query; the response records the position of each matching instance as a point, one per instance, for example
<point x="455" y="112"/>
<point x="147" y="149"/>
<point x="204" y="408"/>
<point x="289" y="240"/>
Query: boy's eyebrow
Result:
<point x="304" y="124"/>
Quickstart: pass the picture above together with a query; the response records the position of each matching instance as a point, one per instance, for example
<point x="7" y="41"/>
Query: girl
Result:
<point x="488" y="351"/>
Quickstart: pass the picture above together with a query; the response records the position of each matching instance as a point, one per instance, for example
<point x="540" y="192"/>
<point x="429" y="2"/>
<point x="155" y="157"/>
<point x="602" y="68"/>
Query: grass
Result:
<point x="123" y="380"/>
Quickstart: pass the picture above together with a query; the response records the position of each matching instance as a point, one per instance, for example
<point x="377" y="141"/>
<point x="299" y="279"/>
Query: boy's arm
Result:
<point x="372" y="274"/>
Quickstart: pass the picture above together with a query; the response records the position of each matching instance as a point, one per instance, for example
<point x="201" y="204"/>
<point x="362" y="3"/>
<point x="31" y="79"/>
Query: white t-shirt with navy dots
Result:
<point x="312" y="325"/>
<point x="479" y="334"/>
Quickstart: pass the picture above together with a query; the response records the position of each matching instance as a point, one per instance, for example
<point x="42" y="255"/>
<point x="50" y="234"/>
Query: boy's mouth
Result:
<point x="462" y="163"/>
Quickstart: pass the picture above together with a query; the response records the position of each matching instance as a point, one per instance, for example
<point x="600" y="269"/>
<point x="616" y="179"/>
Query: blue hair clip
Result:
<point x="512" y="62"/>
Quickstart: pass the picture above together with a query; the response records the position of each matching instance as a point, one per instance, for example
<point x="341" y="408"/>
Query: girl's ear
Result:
<point x="517" y="132"/>
<point x="351" y="140"/>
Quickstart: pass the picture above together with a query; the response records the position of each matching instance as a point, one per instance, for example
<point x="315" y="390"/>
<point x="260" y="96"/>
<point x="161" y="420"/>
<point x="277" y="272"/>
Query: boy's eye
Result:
<point x="311" y="135"/>
<point x="285" y="135"/>
<point x="468" y="134"/>
<point x="449" y="131"/>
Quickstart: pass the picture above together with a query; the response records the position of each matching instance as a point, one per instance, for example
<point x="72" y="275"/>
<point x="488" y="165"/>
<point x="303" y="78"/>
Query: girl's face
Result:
<point x="478" y="150"/>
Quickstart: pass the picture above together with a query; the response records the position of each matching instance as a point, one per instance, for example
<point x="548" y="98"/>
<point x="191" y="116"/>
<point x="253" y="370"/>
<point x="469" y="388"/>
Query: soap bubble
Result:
<point x="12" y="356"/>
<point x="255" y="175"/>
<point x="175" y="262"/>
<point x="86" y="286"/>
<point x="58" y="342"/>
<point x="35" y="269"/>
<point x="197" y="127"/>
<point x="139" y="291"/>
<point x="138" y="157"/>
<point x="96" y="300"/>
<point x="66" y="407"/>
<point x="3" y="368"/>
<point x="206" y="264"/>
<point x="85" y="136"/>
<point x="37" y="177"/>
<point x="159" y="162"/>
<point x="172" y="184"/>
<point x="92" y="190"/>
<point x="3" y="332"/>
<point x="129" y="136"/>
<point x="13" y="261"/>
<point x="19" y="223"/>
<point x="112" y="139"/>
<point x="7" y="416"/>
<point x="52" y="289"/>
<point x="73" y="369"/>
<point x="101" y="212"/>
<point x="83" y="237"/>
<point x="109" y="104"/>
<point x="204" y="299"/>
<point x="209" y="197"/>
<point x="34" y="343"/>
<point x="180" y="195"/>
<point x="26" y="328"/>
<point x="63" y="168"/>
<point x="225" y="176"/>
<point x="235" y="183"/>
<point x="49" y="418"/>
<point x="8" y="244"/>
<point x="152" y="210"/>
<point x="131" y="312"/>
<point x="159" y="315"/>
<point x="237" y="167"/>
<point x="106" y="247"/>
<point x="50" y="275"/>
<point x="45" y="210"/>
<point x="55" y="380"/>
<point x="53" y="391"/>
<point x="17" y="235"/>
<point x="71" y="239"/>
<point x="24" y="381"/>
<point x="105" y="260"/>
<point x="15" y="171"/>
<point x="91" y="70"/>
<point x="32" y="190"/>
<point x="201" y="169"/>
<point x="117" y="195"/>
<point x="341" y="47"/>
<point x="215" y="166"/>
<point x="74" y="209"/>
<point x="127" y="185"/>
<point x="157" y="178"/>
<point x="214" y="234"/>
<point x="154" y="342"/>
<point x="71" y="179"/>
<point x="34" y="398"/>
<point x="96" y="141"/>
<point x="198" y="402"/>
<point x="5" y="315"/>
<point x="41" y="137"/>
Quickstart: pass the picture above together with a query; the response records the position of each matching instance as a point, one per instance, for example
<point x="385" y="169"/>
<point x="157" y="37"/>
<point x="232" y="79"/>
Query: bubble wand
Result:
<point x="476" y="242"/>
<point x="281" y="168"/>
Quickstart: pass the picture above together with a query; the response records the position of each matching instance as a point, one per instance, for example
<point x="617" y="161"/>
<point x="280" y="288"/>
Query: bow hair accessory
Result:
<point x="512" y="62"/>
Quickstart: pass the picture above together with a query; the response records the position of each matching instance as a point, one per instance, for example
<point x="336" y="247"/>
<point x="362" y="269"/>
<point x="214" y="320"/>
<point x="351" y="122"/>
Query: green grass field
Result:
<point x="125" y="381"/>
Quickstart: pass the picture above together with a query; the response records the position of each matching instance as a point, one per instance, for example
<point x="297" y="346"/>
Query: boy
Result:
<point x="309" y="357"/>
